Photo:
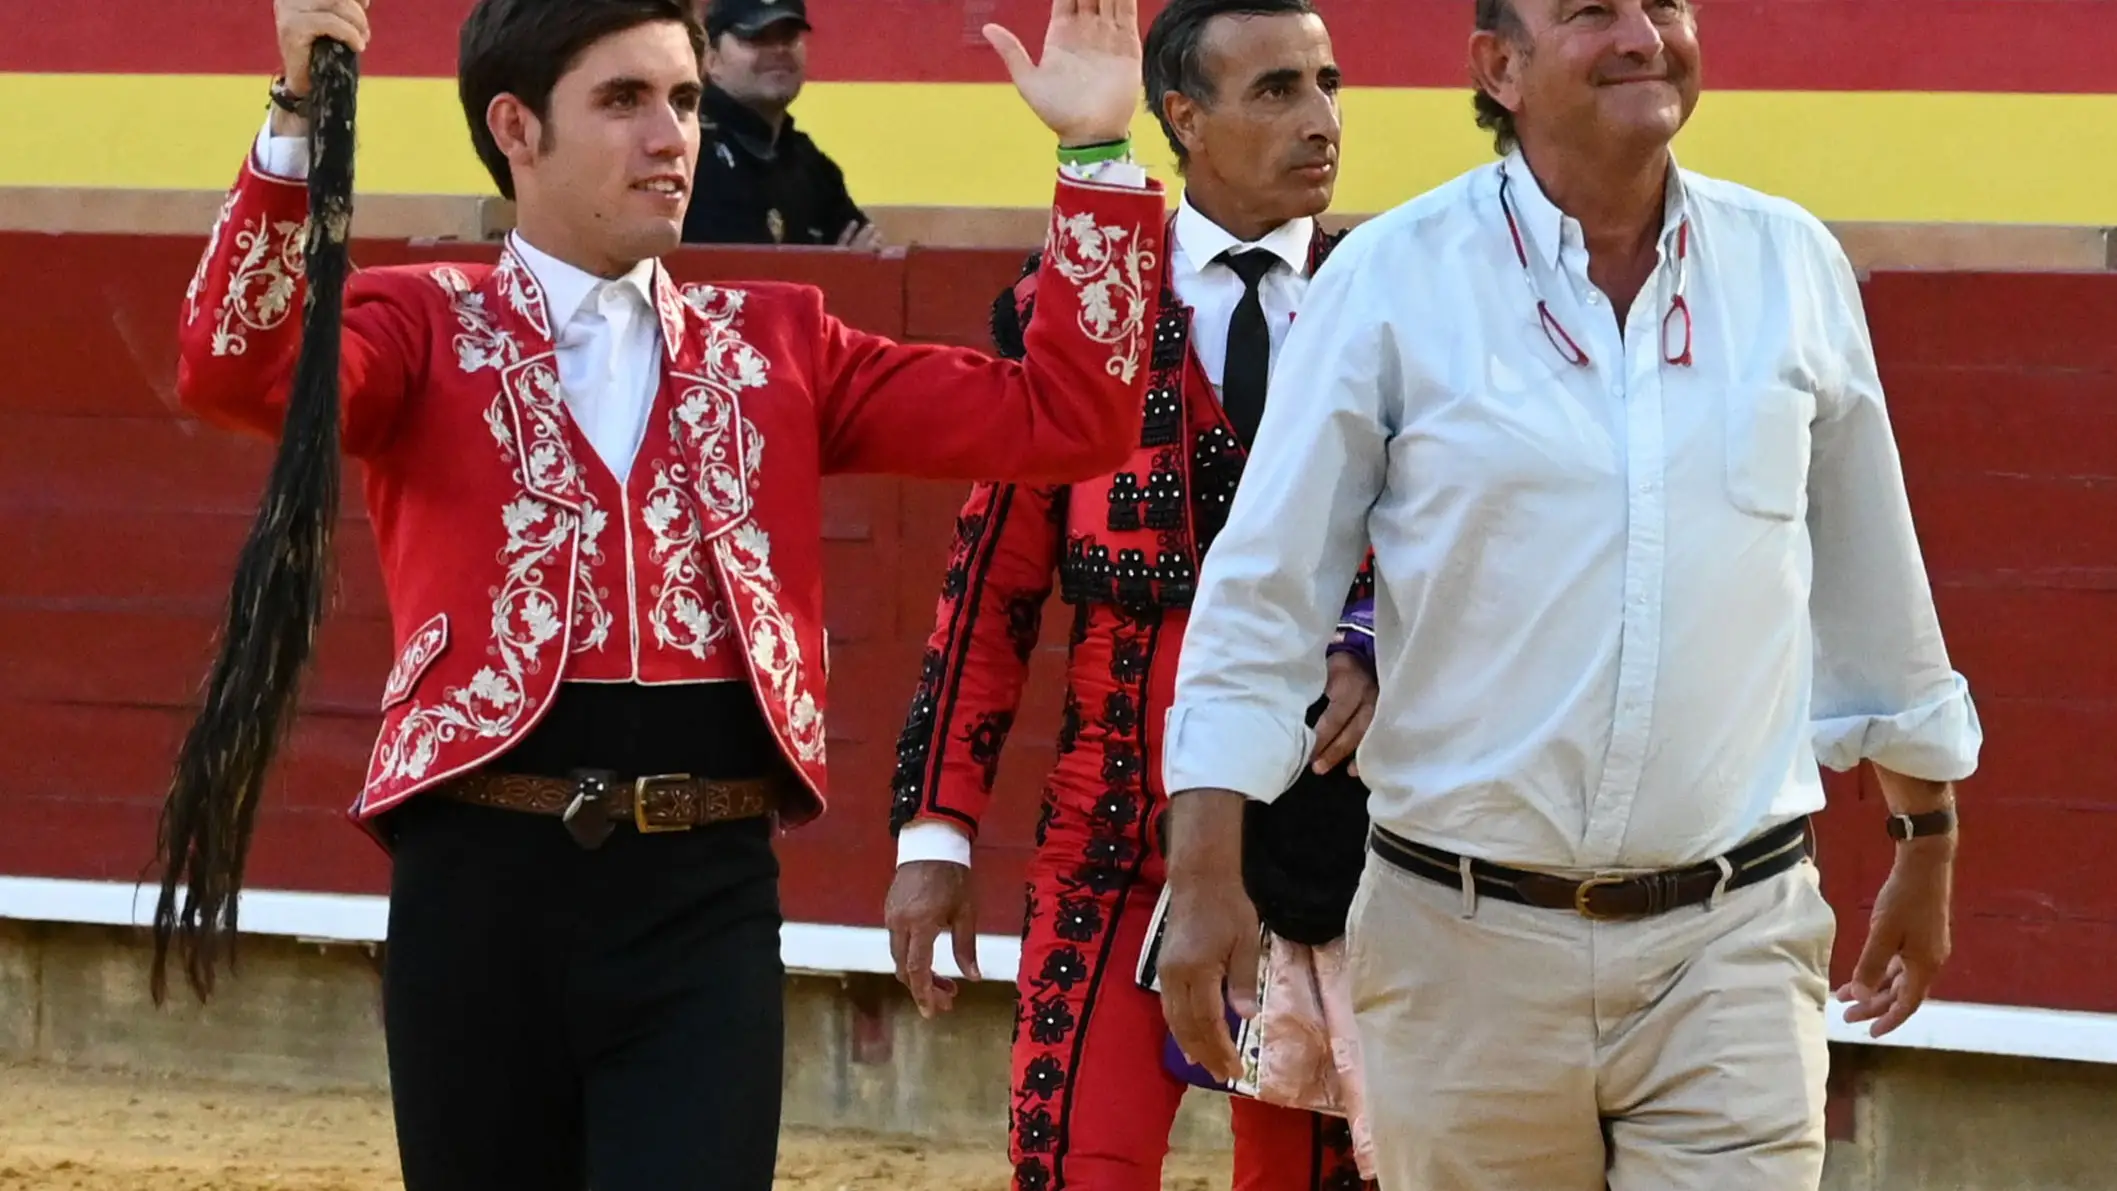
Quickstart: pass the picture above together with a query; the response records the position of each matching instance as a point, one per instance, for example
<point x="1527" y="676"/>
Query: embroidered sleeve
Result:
<point x="1000" y="573"/>
<point x="1068" y="410"/>
<point x="240" y="323"/>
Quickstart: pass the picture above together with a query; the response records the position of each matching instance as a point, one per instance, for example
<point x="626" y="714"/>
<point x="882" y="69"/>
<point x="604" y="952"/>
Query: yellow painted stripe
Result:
<point x="1846" y="156"/>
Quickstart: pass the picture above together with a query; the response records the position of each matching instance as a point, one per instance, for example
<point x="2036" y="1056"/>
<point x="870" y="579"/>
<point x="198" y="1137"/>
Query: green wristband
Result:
<point x="1096" y="154"/>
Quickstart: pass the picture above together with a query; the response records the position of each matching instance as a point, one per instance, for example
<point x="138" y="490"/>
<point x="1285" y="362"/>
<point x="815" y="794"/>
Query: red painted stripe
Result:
<point x="2050" y="46"/>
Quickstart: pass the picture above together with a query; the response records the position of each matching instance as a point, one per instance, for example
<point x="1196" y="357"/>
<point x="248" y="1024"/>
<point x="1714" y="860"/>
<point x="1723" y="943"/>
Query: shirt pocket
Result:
<point x="1767" y="450"/>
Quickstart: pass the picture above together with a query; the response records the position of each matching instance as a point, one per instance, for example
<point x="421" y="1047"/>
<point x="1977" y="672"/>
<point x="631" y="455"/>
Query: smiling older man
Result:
<point x="1643" y="558"/>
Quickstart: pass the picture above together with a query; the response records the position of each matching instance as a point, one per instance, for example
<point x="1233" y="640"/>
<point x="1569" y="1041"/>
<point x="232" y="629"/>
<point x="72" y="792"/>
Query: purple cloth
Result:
<point x="1188" y="1072"/>
<point x="1356" y="631"/>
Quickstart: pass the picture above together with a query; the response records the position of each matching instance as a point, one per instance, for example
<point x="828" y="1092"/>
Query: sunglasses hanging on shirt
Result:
<point x="1563" y="343"/>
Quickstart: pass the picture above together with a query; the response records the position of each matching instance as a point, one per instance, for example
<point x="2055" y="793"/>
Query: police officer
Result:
<point x="760" y="180"/>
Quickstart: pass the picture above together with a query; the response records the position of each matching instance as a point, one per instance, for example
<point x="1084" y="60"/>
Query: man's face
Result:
<point x="1604" y="71"/>
<point x="763" y="70"/>
<point x="612" y="166"/>
<point x="1270" y="133"/>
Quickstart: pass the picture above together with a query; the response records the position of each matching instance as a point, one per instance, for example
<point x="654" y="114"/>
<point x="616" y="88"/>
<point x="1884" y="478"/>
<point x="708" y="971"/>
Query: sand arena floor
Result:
<point x="78" y="1131"/>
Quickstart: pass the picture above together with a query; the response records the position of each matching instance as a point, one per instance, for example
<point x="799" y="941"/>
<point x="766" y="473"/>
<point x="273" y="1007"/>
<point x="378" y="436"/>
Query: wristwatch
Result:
<point x="1940" y="822"/>
<point x="284" y="98"/>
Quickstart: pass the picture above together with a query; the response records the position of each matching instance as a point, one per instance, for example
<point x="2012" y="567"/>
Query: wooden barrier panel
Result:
<point x="120" y="518"/>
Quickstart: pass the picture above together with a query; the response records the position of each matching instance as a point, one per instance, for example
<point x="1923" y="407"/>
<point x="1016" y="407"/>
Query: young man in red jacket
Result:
<point x="596" y="497"/>
<point x="1247" y="93"/>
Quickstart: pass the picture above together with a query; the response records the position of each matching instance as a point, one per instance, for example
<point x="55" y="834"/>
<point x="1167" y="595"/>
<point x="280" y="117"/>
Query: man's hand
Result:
<point x="925" y="898"/>
<point x="1210" y="937"/>
<point x="301" y="22"/>
<point x="1351" y="689"/>
<point x="1087" y="87"/>
<point x="1907" y="939"/>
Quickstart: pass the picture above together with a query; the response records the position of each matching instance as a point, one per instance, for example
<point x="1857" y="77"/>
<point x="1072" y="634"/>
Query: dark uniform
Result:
<point x="753" y="189"/>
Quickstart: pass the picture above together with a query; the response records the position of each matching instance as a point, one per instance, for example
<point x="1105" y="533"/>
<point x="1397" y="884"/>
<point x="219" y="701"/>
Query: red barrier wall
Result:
<point x="119" y="521"/>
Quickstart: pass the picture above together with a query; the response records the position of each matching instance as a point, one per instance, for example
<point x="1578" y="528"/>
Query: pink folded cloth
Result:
<point x="1300" y="1050"/>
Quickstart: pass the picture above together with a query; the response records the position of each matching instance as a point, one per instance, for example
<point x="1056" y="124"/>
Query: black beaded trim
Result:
<point x="1125" y="497"/>
<point x="1163" y="419"/>
<point x="1089" y="575"/>
<point x="1172" y="335"/>
<point x="1216" y="470"/>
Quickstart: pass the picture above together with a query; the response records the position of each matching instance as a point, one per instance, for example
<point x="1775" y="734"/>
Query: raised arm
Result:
<point x="1068" y="410"/>
<point x="240" y="329"/>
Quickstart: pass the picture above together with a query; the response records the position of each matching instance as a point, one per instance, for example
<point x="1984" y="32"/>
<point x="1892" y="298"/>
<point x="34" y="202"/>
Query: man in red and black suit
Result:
<point x="596" y="498"/>
<point x="1247" y="92"/>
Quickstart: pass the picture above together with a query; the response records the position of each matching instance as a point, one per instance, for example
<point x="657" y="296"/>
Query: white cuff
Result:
<point x="1121" y="172"/>
<point x="1219" y="747"/>
<point x="933" y="839"/>
<point x="283" y="157"/>
<point x="1936" y="742"/>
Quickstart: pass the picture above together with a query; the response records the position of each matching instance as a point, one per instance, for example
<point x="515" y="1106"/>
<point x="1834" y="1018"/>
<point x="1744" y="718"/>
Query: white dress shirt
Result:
<point x="1212" y="290"/>
<point x="1622" y="610"/>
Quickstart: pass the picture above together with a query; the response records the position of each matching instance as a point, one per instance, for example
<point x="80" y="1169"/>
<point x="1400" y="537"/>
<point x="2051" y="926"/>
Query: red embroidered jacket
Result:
<point x="514" y="561"/>
<point x="1127" y="544"/>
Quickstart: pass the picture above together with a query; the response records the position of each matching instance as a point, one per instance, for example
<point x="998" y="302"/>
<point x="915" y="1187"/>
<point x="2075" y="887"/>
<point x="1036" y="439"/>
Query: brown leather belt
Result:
<point x="593" y="802"/>
<point x="1637" y="895"/>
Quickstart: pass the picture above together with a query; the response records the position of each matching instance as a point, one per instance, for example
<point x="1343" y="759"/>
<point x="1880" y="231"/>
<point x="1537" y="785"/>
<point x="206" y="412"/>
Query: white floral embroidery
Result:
<point x="591" y="617"/>
<point x="519" y="286"/>
<point x="1108" y="268"/>
<point x="746" y="559"/>
<point x="262" y="289"/>
<point x="419" y="652"/>
<point x="683" y="617"/>
<point x="526" y="616"/>
<point x="205" y="263"/>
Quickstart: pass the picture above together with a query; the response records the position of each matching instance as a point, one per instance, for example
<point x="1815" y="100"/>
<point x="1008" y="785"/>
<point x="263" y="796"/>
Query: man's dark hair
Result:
<point x="1497" y="16"/>
<point x="522" y="47"/>
<point x="1175" y="51"/>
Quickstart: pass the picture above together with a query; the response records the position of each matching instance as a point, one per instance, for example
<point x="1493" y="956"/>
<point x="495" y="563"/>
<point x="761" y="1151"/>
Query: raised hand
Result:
<point x="1087" y="87"/>
<point x="301" y="22"/>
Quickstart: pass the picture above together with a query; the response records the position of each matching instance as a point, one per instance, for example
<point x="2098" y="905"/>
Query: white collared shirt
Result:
<point x="1212" y="290"/>
<point x="609" y="345"/>
<point x="1622" y="610"/>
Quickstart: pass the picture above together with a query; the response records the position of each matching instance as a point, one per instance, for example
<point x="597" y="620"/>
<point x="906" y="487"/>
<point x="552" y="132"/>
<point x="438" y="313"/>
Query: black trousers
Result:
<point x="559" y="1019"/>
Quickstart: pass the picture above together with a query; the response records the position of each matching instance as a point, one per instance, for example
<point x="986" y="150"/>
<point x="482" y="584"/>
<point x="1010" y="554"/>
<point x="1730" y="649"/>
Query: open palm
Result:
<point x="1087" y="87"/>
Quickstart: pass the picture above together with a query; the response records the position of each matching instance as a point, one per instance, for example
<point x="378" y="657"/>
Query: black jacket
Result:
<point x="752" y="189"/>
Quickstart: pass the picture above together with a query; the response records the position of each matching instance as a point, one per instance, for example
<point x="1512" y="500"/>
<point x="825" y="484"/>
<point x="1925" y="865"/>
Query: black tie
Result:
<point x="1246" y="372"/>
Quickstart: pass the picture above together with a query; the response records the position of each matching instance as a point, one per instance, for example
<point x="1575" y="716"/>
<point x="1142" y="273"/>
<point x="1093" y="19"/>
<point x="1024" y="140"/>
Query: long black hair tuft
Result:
<point x="278" y="594"/>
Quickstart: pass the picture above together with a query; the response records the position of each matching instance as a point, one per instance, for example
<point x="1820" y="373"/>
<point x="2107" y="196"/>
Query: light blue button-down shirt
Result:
<point x="1623" y="608"/>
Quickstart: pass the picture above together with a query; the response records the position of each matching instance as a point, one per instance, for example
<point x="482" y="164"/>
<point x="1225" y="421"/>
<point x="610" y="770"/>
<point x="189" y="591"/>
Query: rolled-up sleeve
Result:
<point x="1273" y="585"/>
<point x="1884" y="689"/>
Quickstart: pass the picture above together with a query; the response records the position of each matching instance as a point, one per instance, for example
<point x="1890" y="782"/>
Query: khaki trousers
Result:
<point x="1512" y="1048"/>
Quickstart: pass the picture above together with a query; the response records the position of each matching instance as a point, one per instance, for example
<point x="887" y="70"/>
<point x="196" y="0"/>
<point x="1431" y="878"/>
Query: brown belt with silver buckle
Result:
<point x="1615" y="896"/>
<point x="592" y="802"/>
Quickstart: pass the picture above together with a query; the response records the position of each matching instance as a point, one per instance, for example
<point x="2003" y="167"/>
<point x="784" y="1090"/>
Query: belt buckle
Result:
<point x="1582" y="891"/>
<point x="640" y="786"/>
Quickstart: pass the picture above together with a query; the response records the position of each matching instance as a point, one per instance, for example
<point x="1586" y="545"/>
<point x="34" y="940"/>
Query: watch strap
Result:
<point x="1940" y="822"/>
<point x="283" y="97"/>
